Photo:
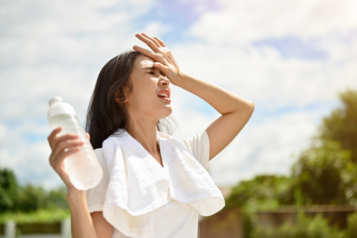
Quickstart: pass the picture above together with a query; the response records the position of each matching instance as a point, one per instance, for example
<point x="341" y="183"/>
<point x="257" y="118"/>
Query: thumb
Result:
<point x="88" y="136"/>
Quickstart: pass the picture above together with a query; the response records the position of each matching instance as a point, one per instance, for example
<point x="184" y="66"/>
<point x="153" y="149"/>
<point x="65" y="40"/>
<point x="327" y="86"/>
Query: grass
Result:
<point x="40" y="216"/>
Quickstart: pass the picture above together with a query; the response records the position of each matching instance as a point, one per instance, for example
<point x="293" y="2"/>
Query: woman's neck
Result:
<point x="145" y="133"/>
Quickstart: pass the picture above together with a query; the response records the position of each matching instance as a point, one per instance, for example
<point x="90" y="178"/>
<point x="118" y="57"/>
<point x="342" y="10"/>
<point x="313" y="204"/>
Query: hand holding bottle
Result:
<point x="62" y="146"/>
<point x="81" y="165"/>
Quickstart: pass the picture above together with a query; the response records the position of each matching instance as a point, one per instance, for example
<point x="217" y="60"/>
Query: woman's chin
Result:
<point x="167" y="112"/>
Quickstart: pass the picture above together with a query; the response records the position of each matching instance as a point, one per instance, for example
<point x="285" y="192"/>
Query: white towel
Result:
<point x="138" y="184"/>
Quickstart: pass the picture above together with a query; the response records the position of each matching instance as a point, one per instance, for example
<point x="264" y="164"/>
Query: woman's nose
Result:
<point x="164" y="80"/>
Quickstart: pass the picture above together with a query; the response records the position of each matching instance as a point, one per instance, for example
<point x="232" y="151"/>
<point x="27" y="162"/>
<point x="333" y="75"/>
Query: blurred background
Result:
<point x="296" y="60"/>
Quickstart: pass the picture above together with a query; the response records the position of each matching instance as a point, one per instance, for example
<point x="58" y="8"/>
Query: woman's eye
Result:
<point x="151" y="72"/>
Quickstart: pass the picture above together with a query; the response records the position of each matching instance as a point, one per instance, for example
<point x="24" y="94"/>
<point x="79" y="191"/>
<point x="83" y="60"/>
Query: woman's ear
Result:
<point x="119" y="96"/>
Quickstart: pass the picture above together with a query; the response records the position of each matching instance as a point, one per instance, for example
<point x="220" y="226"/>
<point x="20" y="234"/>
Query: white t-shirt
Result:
<point x="173" y="220"/>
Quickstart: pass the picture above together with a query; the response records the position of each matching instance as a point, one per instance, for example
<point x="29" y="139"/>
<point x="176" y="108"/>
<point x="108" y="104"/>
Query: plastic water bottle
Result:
<point x="83" y="167"/>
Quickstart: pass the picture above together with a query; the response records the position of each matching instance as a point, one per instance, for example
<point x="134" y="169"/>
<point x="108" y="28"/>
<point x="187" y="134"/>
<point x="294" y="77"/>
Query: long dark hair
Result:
<point x="107" y="111"/>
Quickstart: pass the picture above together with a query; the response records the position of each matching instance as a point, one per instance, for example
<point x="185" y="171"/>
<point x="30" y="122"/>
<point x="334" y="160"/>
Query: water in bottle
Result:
<point x="83" y="167"/>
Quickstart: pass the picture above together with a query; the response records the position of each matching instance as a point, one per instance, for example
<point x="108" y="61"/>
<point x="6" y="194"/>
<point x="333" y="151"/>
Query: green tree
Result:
<point x="264" y="191"/>
<point x="8" y="189"/>
<point x="325" y="174"/>
<point x="341" y="124"/>
<point x="30" y="198"/>
<point x="56" y="198"/>
<point x="305" y="226"/>
<point x="351" y="230"/>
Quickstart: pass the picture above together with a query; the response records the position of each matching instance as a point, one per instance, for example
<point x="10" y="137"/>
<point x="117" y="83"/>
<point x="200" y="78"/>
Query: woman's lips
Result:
<point x="166" y="99"/>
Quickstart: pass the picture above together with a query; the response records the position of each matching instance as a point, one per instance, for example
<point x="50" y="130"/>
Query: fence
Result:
<point x="224" y="224"/>
<point x="228" y="224"/>
<point x="335" y="215"/>
<point x="37" y="230"/>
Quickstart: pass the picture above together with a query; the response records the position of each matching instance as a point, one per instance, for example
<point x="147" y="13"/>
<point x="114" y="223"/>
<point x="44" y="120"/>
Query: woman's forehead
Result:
<point x="140" y="66"/>
<point x="145" y="62"/>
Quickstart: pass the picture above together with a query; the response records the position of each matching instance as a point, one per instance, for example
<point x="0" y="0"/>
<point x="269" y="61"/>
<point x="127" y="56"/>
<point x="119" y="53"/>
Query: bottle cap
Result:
<point x="55" y="100"/>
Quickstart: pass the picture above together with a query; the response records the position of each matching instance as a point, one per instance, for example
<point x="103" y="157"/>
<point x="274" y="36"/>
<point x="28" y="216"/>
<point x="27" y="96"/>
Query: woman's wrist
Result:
<point x="181" y="77"/>
<point x="75" y="196"/>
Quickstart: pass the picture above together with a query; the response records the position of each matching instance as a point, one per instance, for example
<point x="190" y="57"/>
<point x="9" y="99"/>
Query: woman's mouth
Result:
<point x="164" y="94"/>
<point x="165" y="98"/>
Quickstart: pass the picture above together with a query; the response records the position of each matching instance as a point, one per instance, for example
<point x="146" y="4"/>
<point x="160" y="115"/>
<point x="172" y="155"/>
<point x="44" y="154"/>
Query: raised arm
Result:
<point x="235" y="111"/>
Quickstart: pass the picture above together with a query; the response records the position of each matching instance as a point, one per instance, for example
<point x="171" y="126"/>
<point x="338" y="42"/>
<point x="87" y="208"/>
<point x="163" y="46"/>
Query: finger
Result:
<point x="88" y="136"/>
<point x="152" y="39"/>
<point x="160" y="41"/>
<point x="146" y="52"/>
<point x="160" y="66"/>
<point x="64" y="154"/>
<point x="147" y="41"/>
<point x="53" y="135"/>
<point x="59" y="138"/>
<point x="63" y="146"/>
<point x="163" y="69"/>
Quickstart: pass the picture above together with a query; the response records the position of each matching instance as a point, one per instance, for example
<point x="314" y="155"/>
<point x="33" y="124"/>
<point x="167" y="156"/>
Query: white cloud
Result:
<point x="58" y="48"/>
<point x="53" y="49"/>
<point x="268" y="148"/>
<point x="246" y="21"/>
<point x="265" y="77"/>
<point x="29" y="160"/>
<point x="261" y="74"/>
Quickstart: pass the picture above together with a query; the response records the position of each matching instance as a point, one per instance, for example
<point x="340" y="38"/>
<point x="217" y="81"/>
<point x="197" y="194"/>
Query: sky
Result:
<point x="291" y="58"/>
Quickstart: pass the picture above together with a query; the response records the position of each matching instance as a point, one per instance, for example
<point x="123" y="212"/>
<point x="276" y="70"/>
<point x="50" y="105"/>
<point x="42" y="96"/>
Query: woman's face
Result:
<point x="148" y="82"/>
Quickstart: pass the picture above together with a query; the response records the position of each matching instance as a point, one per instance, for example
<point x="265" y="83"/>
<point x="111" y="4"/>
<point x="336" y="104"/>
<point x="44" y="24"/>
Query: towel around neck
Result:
<point x="138" y="184"/>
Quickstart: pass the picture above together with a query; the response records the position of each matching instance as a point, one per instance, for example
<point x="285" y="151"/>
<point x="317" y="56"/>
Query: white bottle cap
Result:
<point x="55" y="100"/>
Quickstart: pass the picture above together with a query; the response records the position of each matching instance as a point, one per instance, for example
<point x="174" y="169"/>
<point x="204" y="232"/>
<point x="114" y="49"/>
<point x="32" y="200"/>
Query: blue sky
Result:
<point x="178" y="16"/>
<point x="291" y="60"/>
<point x="294" y="47"/>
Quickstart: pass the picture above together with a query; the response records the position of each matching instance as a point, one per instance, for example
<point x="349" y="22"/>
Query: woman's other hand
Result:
<point x="165" y="61"/>
<point x="62" y="146"/>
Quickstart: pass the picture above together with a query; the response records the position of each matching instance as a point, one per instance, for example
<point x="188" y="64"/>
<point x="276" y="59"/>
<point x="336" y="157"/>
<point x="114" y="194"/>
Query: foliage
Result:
<point x="30" y="204"/>
<point x="325" y="174"/>
<point x="306" y="227"/>
<point x="33" y="198"/>
<point x="264" y="191"/>
<point x="247" y="214"/>
<point x="309" y="227"/>
<point x="341" y="124"/>
<point x="351" y="231"/>
<point x="56" y="198"/>
<point x="45" y="216"/>
<point x="8" y="189"/>
<point x="28" y="198"/>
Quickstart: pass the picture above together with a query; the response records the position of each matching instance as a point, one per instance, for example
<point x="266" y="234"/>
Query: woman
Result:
<point x="133" y="93"/>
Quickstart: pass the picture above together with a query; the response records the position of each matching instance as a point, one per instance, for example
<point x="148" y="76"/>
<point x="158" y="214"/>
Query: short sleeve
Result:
<point x="199" y="145"/>
<point x="96" y="195"/>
